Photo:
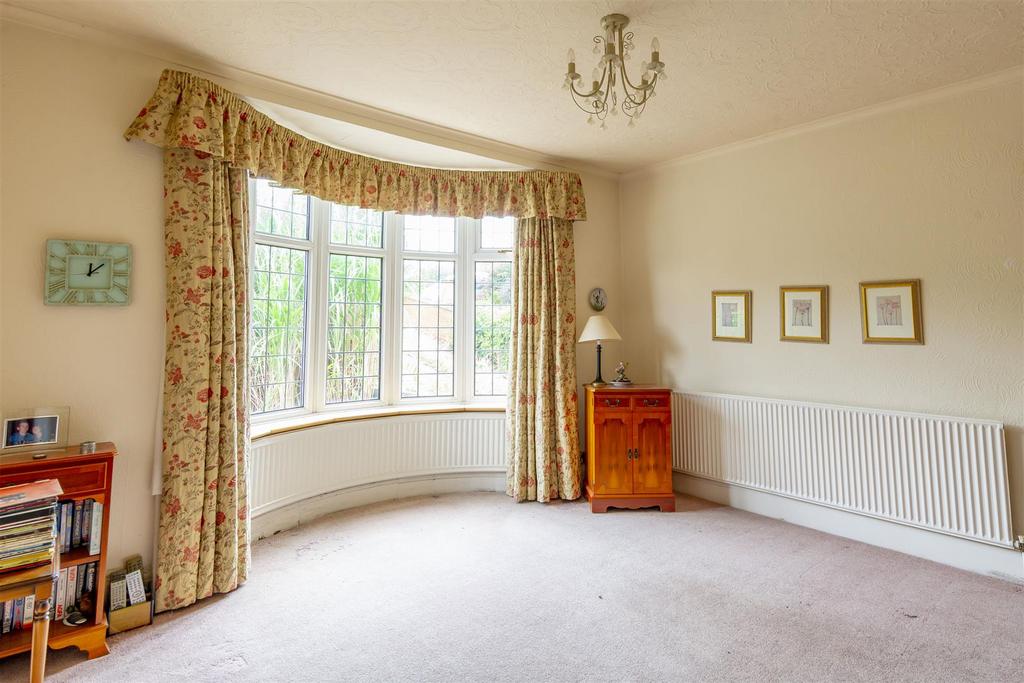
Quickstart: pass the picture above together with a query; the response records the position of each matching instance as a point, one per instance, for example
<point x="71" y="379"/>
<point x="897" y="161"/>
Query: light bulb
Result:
<point x="596" y="75"/>
<point x="571" y="57"/>
<point x="655" y="45"/>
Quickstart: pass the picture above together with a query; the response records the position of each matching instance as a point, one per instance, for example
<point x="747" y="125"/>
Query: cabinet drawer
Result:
<point x="75" y="480"/>
<point x="652" y="402"/>
<point x="611" y="402"/>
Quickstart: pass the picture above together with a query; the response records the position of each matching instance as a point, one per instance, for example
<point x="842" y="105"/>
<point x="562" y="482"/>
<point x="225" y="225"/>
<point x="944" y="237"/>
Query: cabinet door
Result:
<point x="652" y="439"/>
<point x="613" y="438"/>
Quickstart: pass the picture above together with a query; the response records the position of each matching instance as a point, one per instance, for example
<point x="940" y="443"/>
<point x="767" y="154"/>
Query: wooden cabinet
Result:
<point x="81" y="476"/>
<point x="629" y="448"/>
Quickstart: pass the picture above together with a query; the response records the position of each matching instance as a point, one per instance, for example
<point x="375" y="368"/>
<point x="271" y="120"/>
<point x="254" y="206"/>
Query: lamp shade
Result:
<point x="598" y="328"/>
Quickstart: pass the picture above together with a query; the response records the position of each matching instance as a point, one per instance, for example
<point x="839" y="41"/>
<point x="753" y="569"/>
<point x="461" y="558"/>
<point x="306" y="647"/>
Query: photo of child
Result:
<point x="28" y="431"/>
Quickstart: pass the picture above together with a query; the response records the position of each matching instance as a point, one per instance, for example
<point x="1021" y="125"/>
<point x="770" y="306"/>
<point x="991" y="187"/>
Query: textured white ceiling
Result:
<point x="494" y="69"/>
<point x="362" y="140"/>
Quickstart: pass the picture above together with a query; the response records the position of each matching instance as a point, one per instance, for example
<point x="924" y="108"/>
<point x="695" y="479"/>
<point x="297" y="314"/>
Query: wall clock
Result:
<point x="598" y="299"/>
<point x="84" y="272"/>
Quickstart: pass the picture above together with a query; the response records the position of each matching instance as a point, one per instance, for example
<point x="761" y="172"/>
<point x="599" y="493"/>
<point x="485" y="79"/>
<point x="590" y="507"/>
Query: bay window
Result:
<point x="353" y="308"/>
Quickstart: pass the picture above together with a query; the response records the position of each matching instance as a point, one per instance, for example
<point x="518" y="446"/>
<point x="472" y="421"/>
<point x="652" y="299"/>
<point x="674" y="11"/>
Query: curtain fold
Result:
<point x="191" y="112"/>
<point x="542" y="438"/>
<point x="203" y="537"/>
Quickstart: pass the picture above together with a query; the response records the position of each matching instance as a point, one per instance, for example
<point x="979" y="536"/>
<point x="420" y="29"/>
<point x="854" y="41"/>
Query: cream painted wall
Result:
<point x="66" y="171"/>
<point x="930" y="191"/>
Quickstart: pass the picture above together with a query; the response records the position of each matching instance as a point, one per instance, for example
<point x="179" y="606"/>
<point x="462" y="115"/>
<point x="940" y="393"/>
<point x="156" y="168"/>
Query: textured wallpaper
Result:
<point x="932" y="191"/>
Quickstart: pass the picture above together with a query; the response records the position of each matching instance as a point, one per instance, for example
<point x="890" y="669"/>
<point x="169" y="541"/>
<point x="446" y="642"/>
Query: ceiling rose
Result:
<point x="610" y="75"/>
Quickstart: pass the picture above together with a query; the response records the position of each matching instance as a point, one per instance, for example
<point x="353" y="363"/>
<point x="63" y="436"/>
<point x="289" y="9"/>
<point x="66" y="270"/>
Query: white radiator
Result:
<point x="306" y="463"/>
<point x="945" y="474"/>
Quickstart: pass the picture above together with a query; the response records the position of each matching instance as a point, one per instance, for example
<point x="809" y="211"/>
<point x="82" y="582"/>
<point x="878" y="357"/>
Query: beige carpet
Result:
<point x="473" y="587"/>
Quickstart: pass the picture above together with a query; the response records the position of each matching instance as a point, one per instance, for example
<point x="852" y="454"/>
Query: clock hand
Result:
<point x="94" y="270"/>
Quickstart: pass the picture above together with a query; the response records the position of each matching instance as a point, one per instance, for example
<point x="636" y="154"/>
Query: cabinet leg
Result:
<point x="598" y="506"/>
<point x="96" y="646"/>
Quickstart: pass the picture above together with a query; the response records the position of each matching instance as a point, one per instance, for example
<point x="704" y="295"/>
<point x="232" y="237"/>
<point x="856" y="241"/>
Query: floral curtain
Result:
<point x="190" y="112"/>
<point x="211" y="138"/>
<point x="203" y="539"/>
<point x="542" y="440"/>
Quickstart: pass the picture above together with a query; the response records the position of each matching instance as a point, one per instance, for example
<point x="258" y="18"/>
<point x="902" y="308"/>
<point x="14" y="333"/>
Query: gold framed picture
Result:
<point x="890" y="312"/>
<point x="730" y="315"/>
<point x="803" y="313"/>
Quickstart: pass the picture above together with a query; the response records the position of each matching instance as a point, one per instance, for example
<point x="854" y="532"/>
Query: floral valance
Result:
<point x="191" y="112"/>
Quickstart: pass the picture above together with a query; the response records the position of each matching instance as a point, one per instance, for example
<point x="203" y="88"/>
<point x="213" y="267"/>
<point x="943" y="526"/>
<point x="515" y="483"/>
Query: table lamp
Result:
<point x="598" y="329"/>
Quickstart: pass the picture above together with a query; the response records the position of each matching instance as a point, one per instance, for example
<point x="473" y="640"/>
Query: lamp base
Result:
<point x="598" y="381"/>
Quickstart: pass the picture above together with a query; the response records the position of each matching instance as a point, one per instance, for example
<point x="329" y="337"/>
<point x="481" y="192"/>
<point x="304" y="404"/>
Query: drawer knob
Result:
<point x="649" y="402"/>
<point x="613" y="404"/>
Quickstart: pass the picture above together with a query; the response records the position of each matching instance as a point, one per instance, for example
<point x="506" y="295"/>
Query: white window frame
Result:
<point x="468" y="252"/>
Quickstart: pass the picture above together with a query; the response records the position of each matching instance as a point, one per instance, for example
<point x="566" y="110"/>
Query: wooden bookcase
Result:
<point x="81" y="475"/>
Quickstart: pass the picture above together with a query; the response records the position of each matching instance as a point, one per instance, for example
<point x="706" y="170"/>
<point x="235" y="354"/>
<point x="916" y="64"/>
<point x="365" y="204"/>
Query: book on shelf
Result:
<point x="72" y="585"/>
<point x="28" y="514"/>
<point x="80" y="525"/>
<point x="96" y="527"/>
<point x="16" y="615"/>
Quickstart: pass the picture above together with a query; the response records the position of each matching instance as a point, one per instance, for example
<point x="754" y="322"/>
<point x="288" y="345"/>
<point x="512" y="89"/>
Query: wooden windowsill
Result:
<point x="270" y="428"/>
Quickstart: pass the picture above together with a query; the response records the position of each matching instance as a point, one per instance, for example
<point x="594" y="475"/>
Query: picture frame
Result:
<point x="731" y="315"/>
<point x="890" y="312"/>
<point x="803" y="313"/>
<point x="34" y="429"/>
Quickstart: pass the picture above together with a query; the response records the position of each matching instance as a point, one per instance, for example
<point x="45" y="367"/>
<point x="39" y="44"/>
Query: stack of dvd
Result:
<point x="28" y="517"/>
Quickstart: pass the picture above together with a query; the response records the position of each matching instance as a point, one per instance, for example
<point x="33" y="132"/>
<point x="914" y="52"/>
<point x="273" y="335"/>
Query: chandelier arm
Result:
<point x="572" y="86"/>
<point x="594" y="109"/>
<point x="625" y="78"/>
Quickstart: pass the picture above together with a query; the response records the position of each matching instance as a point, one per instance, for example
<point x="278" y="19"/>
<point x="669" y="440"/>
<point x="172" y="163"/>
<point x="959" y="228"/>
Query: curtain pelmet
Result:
<point x="190" y="112"/>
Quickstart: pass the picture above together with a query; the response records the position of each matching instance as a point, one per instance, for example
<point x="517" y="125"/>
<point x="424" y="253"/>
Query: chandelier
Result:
<point x="603" y="97"/>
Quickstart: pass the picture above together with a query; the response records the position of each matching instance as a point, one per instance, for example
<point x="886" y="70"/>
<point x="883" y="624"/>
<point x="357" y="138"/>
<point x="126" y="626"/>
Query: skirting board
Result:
<point x="304" y="511"/>
<point x="957" y="552"/>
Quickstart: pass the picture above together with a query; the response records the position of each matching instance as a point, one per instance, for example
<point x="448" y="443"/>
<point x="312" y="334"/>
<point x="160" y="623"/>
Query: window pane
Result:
<point x="492" y="331"/>
<point x="427" y="233"/>
<point x="428" y="328"/>
<point x="277" y="335"/>
<point x="356" y="227"/>
<point x="497" y="233"/>
<point x="353" y="328"/>
<point x="280" y="211"/>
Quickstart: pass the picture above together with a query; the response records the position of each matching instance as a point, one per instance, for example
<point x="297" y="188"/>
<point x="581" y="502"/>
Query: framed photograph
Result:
<point x="890" y="312"/>
<point x="730" y="315"/>
<point x="32" y="429"/>
<point x="803" y="314"/>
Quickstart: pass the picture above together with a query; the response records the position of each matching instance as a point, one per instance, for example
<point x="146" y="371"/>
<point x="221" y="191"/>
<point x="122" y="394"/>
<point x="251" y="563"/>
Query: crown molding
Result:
<point x="899" y="103"/>
<point x="251" y="84"/>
